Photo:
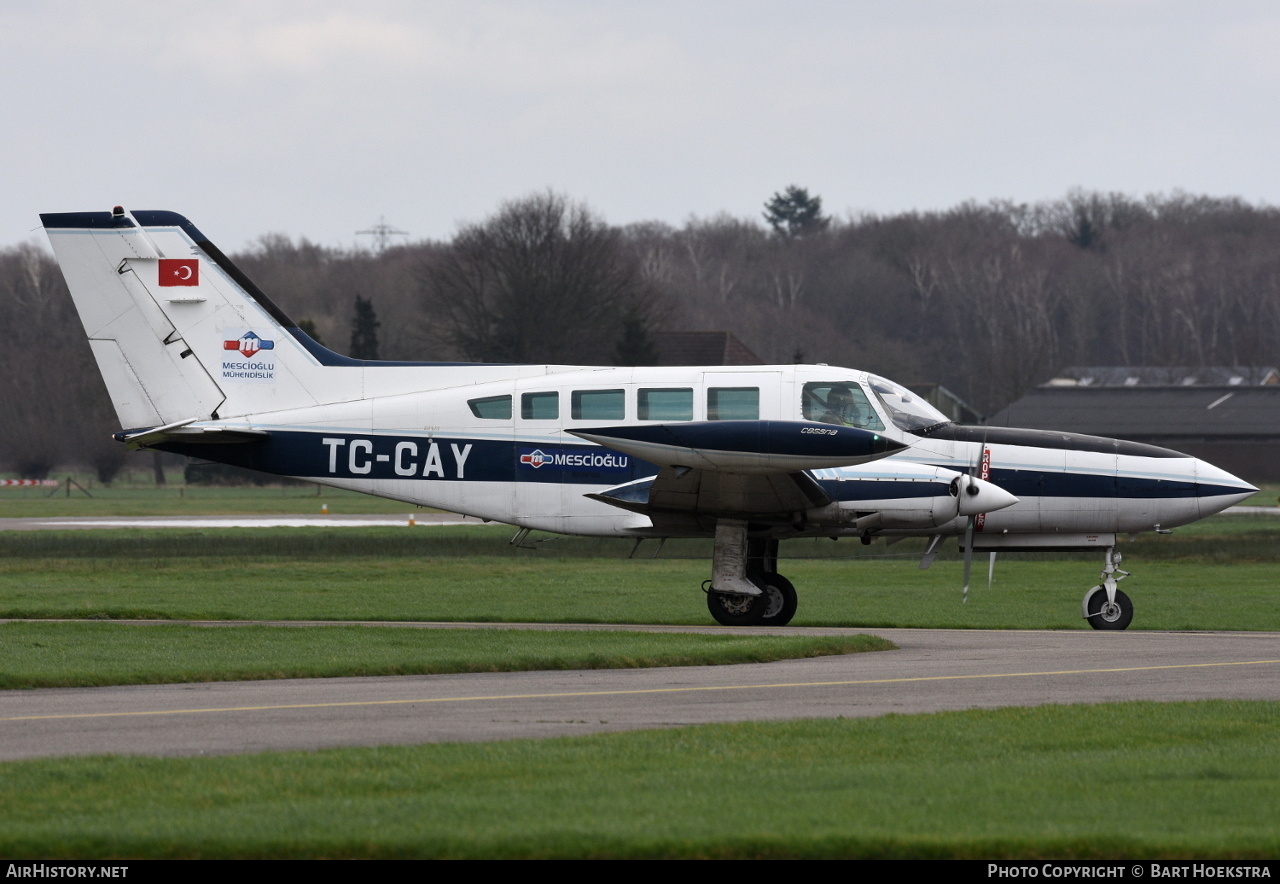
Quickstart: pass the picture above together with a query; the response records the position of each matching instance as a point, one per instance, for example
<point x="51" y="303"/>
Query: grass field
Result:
<point x="37" y="655"/>
<point x="1191" y="581"/>
<point x="1131" y="781"/>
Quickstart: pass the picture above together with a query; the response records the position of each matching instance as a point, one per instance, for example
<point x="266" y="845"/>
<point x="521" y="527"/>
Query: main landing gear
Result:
<point x="745" y="588"/>
<point x="1104" y="606"/>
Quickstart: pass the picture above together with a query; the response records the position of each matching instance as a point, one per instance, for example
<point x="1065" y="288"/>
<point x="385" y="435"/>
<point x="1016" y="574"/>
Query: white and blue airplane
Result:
<point x="198" y="361"/>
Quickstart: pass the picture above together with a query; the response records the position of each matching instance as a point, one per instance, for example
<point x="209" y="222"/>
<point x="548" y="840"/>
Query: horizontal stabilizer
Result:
<point x="745" y="446"/>
<point x="183" y="431"/>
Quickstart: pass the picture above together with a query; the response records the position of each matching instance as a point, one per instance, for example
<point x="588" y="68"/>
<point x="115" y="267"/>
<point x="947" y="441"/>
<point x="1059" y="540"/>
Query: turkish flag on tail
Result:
<point x="179" y="271"/>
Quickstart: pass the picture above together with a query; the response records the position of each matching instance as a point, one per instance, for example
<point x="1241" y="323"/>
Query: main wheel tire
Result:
<point x="782" y="599"/>
<point x="1105" y="616"/>
<point x="734" y="609"/>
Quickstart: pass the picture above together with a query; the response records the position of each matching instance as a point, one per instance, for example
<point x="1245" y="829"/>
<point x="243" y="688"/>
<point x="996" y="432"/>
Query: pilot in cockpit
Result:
<point x="841" y="408"/>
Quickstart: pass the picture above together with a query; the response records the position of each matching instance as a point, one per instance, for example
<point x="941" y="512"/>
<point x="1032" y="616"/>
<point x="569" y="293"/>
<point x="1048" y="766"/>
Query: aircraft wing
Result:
<point x="738" y="469"/>
<point x="760" y="447"/>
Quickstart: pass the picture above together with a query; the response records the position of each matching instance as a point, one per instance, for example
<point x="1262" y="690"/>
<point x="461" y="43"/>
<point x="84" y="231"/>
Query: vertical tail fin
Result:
<point x="177" y="330"/>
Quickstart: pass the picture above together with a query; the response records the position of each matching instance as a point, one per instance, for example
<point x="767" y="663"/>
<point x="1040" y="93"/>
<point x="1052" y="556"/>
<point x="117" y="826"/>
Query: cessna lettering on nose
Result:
<point x="747" y="455"/>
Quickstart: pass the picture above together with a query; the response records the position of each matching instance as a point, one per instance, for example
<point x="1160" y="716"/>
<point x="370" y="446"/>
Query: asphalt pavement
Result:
<point x="934" y="670"/>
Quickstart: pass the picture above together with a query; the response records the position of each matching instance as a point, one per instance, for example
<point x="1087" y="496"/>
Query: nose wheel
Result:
<point x="1105" y="606"/>
<point x="781" y="597"/>
<point x="1104" y="614"/>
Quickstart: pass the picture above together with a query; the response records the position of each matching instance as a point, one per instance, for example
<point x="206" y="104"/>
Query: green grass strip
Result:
<point x="189" y="500"/>
<point x="1134" y="780"/>
<point x="38" y="655"/>
<point x="1220" y="539"/>
<point x="542" y="587"/>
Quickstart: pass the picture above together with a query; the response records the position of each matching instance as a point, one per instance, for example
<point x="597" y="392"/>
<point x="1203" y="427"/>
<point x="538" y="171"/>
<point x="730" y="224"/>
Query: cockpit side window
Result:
<point x="839" y="402"/>
<point x="491" y="408"/>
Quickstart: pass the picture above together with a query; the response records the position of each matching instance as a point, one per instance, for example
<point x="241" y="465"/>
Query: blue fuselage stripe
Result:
<point x="340" y="455"/>
<point x="346" y="455"/>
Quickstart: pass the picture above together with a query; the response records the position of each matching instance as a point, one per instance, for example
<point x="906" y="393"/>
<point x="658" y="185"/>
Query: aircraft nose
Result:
<point x="1216" y="489"/>
<point x="980" y="496"/>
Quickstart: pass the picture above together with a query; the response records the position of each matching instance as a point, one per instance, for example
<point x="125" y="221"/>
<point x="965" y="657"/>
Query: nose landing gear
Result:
<point x="1105" y="606"/>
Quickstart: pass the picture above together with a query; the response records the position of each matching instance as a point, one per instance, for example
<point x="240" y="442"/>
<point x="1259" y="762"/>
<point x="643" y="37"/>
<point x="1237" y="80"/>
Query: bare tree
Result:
<point x="53" y="400"/>
<point x="544" y="280"/>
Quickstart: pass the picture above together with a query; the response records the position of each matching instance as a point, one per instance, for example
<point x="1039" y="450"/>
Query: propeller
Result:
<point x="981" y="469"/>
<point x="976" y="496"/>
<point x="968" y="556"/>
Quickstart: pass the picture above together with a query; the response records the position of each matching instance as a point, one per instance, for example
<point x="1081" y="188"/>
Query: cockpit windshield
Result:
<point x="907" y="410"/>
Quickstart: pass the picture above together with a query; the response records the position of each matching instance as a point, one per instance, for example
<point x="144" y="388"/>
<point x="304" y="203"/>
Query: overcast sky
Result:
<point x="316" y="118"/>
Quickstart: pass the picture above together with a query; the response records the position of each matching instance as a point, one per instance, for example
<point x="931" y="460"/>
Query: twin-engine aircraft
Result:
<point x="198" y="361"/>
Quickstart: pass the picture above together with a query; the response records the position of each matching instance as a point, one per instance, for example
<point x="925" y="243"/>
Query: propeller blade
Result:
<point x="975" y="472"/>
<point x="968" y="556"/>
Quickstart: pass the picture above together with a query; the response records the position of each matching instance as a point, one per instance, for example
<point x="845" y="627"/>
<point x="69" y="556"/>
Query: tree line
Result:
<point x="988" y="299"/>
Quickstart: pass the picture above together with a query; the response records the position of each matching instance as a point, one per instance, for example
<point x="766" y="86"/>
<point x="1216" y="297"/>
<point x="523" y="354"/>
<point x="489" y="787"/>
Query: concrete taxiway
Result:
<point x="933" y="670"/>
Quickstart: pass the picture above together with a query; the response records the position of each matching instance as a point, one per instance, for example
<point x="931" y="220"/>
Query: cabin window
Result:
<point x="733" y="403"/>
<point x="495" y="408"/>
<point x="540" y="406"/>
<point x="665" y="404"/>
<point x="598" y="405"/>
<point x="839" y="402"/>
